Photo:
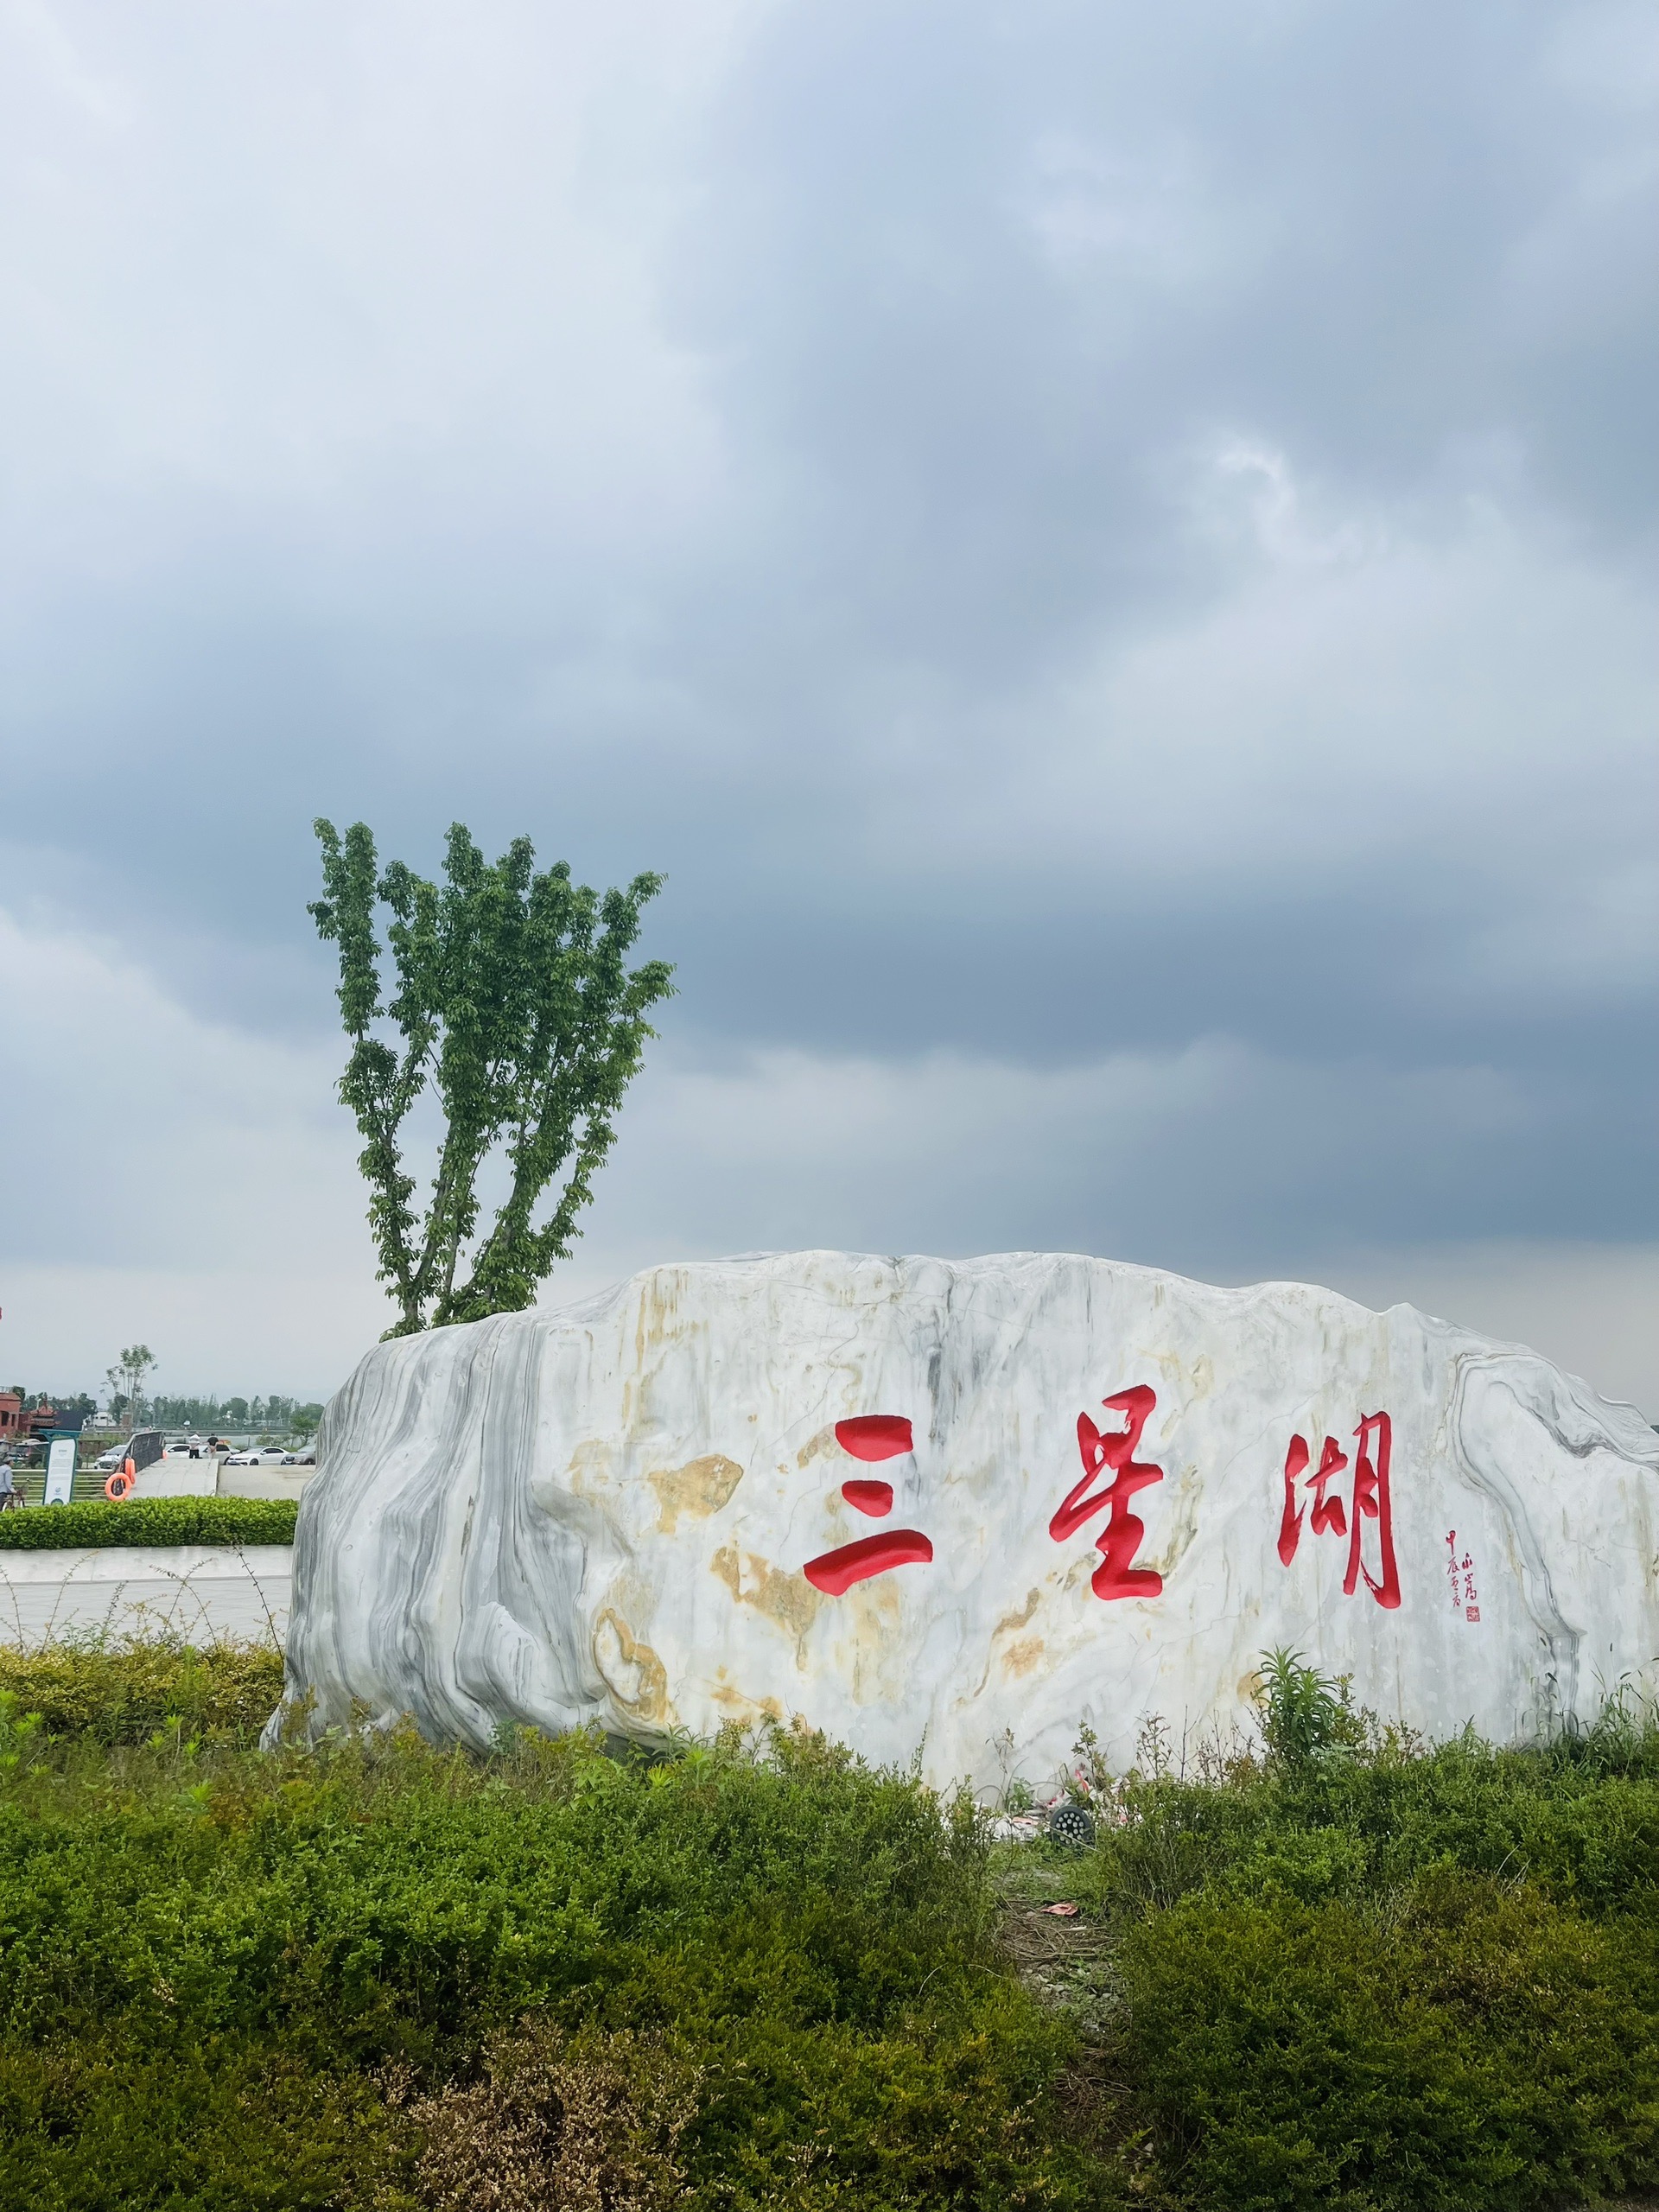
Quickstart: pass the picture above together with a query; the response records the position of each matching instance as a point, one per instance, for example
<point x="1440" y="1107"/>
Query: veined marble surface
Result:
<point x="954" y="1510"/>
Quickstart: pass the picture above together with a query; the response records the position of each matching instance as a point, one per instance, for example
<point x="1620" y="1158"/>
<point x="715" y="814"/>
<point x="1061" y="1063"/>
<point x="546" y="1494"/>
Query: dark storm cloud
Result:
<point x="1078" y="530"/>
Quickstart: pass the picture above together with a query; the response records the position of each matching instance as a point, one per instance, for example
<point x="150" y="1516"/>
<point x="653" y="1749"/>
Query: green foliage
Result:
<point x="126" y="1380"/>
<point x="284" y="1415"/>
<point x="756" y="1976"/>
<point x="153" y="1690"/>
<point x="1306" y="1717"/>
<point x="379" y="1973"/>
<point x="1359" y="1973"/>
<point x="514" y="1005"/>
<point x="94" y="1522"/>
<point x="1475" y="2046"/>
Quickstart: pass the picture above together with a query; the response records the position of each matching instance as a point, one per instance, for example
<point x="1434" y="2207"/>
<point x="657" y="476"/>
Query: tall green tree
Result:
<point x="511" y="1003"/>
<point x="126" y="1381"/>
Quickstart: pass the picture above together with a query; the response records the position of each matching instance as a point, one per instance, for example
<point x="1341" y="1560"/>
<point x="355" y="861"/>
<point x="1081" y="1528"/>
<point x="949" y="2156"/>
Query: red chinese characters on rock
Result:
<point x="1369" y="1499"/>
<point x="869" y="1437"/>
<point x="1116" y="1576"/>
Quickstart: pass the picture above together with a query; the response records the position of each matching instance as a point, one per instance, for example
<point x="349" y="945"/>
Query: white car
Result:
<point x="260" y="1455"/>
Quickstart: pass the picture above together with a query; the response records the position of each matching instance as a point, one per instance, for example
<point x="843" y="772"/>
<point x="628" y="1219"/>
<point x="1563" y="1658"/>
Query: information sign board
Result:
<point x="60" y="1470"/>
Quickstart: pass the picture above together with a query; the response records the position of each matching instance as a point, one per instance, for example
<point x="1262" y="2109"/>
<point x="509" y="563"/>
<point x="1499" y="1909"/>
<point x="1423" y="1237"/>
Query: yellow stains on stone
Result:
<point x="738" y="1705"/>
<point x="1033" y="1598"/>
<point x="823" y="1441"/>
<point x="1177" y="1378"/>
<point x="636" y="1598"/>
<point x="1181" y="1496"/>
<point x="1079" y="1575"/>
<point x="788" y="1600"/>
<point x="658" y="1311"/>
<point x="1023" y="1657"/>
<point x="635" y="1675"/>
<point x="1006" y="1640"/>
<point x="592" y="1468"/>
<point x="696" y="1490"/>
<point x="872" y="1649"/>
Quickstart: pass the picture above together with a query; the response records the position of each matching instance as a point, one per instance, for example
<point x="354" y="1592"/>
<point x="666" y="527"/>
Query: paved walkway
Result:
<point x="200" y="1590"/>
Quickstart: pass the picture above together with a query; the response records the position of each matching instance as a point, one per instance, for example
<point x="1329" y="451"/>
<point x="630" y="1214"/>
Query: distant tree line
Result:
<point x="273" y="1412"/>
<point x="254" y="1415"/>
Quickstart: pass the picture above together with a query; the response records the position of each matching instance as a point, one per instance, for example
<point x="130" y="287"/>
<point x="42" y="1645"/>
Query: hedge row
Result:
<point x="149" y="1521"/>
<point x="379" y="1977"/>
<point x="115" y="1691"/>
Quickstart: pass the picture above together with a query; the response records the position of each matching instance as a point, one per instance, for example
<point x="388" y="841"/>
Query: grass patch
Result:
<point x="100" y="1523"/>
<point x="1478" y="2045"/>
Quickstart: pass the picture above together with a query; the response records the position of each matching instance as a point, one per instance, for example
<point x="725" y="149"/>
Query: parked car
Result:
<point x="260" y="1455"/>
<point x="305" y="1457"/>
<point x="143" y="1447"/>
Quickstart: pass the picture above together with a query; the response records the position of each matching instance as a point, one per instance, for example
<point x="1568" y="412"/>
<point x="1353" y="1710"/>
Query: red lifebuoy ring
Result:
<point x="119" y="1483"/>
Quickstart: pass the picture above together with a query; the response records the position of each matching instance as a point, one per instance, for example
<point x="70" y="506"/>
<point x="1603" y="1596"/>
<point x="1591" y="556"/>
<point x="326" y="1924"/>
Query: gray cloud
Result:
<point x="1082" y="538"/>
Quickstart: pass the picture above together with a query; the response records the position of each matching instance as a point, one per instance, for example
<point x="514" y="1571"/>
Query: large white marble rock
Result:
<point x="954" y="1510"/>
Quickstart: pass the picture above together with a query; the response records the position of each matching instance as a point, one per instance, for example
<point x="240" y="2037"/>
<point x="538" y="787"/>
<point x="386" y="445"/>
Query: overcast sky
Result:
<point x="1107" y="552"/>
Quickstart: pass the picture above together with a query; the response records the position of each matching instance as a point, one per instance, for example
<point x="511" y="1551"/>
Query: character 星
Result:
<point x="1116" y="1576"/>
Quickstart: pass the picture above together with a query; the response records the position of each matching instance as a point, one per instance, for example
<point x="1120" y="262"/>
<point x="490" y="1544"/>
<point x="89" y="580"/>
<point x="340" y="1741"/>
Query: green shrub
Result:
<point x="122" y="1692"/>
<point x="96" y="1523"/>
<point x="1478" y="2046"/>
<point x="1355" y="1976"/>
<point x="99" y="2123"/>
<point x="259" y="1978"/>
<point x="1306" y="1717"/>
<point x="1361" y="1973"/>
<point x="1574" y="1824"/>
